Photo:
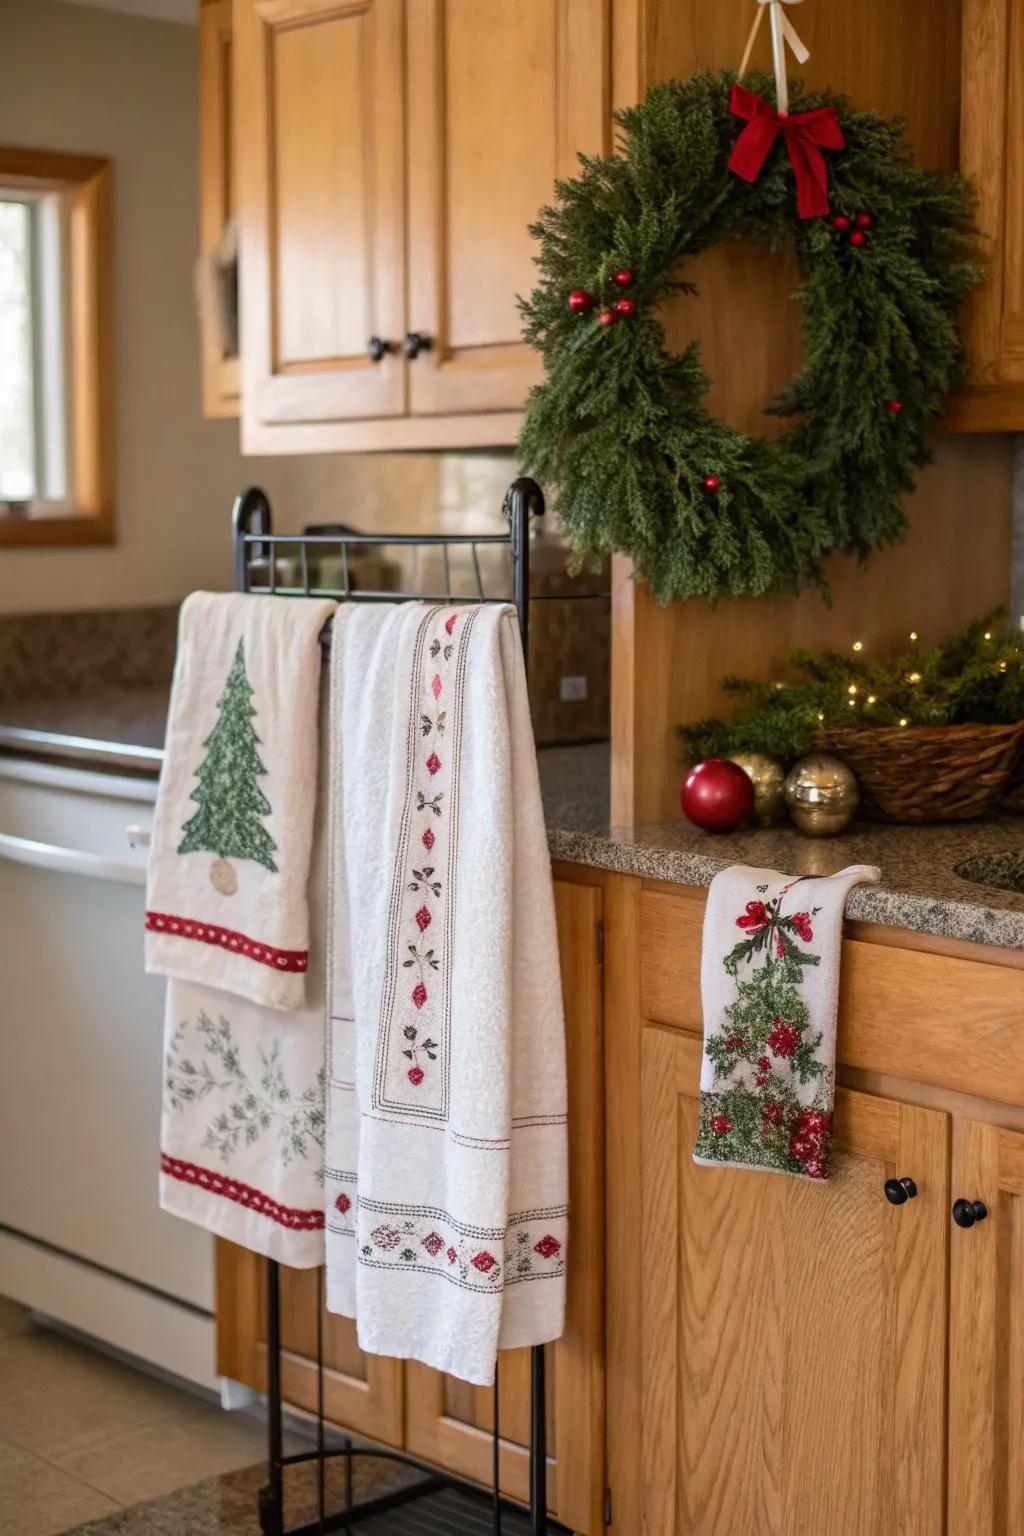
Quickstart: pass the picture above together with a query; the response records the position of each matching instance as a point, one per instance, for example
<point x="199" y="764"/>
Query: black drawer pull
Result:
<point x="899" y="1191"/>
<point x="967" y="1212"/>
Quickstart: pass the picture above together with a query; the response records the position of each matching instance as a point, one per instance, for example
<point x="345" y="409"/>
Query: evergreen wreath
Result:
<point x="619" y="429"/>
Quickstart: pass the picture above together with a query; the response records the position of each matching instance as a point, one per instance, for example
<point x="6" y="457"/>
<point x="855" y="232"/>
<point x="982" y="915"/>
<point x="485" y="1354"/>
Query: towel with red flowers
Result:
<point x="770" y="990"/>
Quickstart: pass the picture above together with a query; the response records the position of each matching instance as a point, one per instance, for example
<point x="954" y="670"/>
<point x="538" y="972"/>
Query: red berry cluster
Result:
<point x="581" y="302"/>
<point x="857" y="227"/>
<point x="808" y="1143"/>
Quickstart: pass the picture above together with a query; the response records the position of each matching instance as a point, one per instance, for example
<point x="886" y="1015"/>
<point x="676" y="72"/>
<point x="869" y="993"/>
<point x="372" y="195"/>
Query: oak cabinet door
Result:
<point x="449" y="1422"/>
<point x="216" y="199"/>
<point x="793" y="1337"/>
<point x="992" y="154"/>
<point x="362" y="1393"/>
<point x="319" y="98"/>
<point x="986" y="1335"/>
<point x="501" y="98"/>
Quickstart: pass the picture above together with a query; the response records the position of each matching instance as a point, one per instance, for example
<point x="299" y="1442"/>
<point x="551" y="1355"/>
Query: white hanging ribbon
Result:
<point x="783" y="32"/>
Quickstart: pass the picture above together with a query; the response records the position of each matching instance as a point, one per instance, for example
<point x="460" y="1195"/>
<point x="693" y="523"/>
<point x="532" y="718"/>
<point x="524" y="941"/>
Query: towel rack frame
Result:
<point x="255" y="541"/>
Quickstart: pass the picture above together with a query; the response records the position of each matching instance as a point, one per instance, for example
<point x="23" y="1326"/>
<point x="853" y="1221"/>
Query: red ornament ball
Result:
<point x="865" y="220"/>
<point x="607" y="317"/>
<point x="895" y="406"/>
<point x="623" y="277"/>
<point x="711" y="482"/>
<point x="717" y="795"/>
<point x="580" y="301"/>
<point x="840" y="221"/>
<point x="858" y="237"/>
<point x="626" y="308"/>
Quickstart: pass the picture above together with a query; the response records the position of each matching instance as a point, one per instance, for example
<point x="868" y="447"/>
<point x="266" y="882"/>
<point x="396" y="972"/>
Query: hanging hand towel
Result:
<point x="770" y="990"/>
<point x="229" y="864"/>
<point x="242" y="1129"/>
<point x="446" y="1184"/>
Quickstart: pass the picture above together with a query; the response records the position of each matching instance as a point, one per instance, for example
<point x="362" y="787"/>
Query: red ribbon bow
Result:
<point x="806" y="135"/>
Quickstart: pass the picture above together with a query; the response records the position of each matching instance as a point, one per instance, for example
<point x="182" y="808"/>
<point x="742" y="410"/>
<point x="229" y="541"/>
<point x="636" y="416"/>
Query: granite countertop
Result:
<point x="919" y="889"/>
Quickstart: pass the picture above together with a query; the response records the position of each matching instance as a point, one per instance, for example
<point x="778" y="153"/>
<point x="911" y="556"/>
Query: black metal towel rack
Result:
<point x="255" y="545"/>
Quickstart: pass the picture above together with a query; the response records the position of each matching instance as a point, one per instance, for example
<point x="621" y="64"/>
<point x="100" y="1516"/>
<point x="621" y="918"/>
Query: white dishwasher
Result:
<point x="82" y="1237"/>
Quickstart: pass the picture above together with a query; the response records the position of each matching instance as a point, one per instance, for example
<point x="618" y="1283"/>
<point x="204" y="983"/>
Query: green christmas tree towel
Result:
<point x="770" y="989"/>
<point x="227" y="902"/>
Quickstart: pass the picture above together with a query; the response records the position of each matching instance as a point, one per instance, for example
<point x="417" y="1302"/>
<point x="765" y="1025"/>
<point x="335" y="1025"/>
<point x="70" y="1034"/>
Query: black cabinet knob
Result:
<point x="378" y="348"/>
<point x="898" y="1191"/>
<point x="967" y="1212"/>
<point x="415" y="342"/>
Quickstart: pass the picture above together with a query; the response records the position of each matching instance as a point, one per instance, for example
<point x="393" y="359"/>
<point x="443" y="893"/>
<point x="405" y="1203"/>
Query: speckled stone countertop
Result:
<point x="919" y="889"/>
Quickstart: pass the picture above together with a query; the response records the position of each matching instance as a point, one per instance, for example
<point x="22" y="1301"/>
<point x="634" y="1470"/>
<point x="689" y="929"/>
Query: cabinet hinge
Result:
<point x="599" y="941"/>
<point x="607" y="1506"/>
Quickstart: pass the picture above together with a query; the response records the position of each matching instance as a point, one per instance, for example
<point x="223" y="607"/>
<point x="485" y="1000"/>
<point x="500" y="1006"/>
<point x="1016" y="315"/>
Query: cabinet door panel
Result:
<point x="793" y="1344"/>
<point x="321" y="207"/>
<point x="986" y="1385"/>
<point x="362" y="1393"/>
<point x="217" y="194"/>
<point x="501" y="98"/>
<point x="450" y="1423"/>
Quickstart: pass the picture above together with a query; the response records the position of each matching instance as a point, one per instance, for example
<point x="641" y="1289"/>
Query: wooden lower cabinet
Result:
<point x="793" y="1349"/>
<point x="986" y="1365"/>
<point x="789" y="1357"/>
<point x="435" y="1417"/>
<point x="363" y="1393"/>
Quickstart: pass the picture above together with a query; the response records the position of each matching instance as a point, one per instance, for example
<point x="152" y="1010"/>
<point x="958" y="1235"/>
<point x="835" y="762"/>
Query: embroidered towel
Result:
<point x="446" y="1183"/>
<point x="229" y="865"/>
<point x="770" y="988"/>
<point x="242" y="1127"/>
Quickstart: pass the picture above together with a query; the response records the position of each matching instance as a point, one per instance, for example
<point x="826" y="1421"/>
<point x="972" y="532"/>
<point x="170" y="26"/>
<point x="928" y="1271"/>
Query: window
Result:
<point x="56" y="366"/>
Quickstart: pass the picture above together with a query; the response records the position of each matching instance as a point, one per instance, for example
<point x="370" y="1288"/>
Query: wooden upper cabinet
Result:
<point x="392" y="154"/>
<point x="793" y="1347"/>
<point x="501" y="99"/>
<point x="218" y="297"/>
<point x="321" y="203"/>
<point x="992" y="154"/>
<point x="986" y="1335"/>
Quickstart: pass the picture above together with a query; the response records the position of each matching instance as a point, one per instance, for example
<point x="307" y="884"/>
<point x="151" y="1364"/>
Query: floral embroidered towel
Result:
<point x="226" y="902"/>
<point x="242" y="1128"/>
<point x="770" y="989"/>
<point x="446" y="1181"/>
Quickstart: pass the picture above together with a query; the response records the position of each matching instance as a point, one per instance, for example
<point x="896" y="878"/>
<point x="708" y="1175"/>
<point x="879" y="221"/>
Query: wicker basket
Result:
<point x="926" y="772"/>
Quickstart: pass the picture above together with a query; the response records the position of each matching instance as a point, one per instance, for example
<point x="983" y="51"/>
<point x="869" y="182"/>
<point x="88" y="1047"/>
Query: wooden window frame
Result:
<point x="87" y="179"/>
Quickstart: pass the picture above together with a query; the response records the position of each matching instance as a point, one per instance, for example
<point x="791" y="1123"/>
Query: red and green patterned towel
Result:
<point x="770" y="988"/>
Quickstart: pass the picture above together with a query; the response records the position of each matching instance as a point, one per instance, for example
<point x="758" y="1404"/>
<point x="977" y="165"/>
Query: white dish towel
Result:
<point x="226" y="903"/>
<point x="446" y="1181"/>
<point x="244" y="1113"/>
<point x="770" y="989"/>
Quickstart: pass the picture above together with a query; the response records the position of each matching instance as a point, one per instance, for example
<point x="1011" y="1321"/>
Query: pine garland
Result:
<point x="974" y="677"/>
<point x="619" y="429"/>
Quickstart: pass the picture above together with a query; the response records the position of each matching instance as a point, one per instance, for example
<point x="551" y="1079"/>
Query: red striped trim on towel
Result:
<point x="242" y="1194"/>
<point x="227" y="938"/>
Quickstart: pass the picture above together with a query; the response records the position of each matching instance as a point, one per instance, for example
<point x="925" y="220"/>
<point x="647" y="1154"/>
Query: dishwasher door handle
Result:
<point x="69" y="861"/>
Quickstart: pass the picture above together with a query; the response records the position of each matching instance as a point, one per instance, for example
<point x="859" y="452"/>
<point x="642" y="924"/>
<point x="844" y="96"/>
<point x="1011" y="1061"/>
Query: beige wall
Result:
<point x="100" y="82"/>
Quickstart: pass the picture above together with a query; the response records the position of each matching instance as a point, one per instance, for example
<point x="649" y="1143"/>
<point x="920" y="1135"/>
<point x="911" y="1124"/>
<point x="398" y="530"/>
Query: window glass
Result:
<point x="17" y="333"/>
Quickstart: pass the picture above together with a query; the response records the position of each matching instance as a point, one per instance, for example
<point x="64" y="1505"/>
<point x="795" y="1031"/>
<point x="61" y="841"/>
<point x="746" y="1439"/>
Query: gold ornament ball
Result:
<point x="821" y="795"/>
<point x="767" y="776"/>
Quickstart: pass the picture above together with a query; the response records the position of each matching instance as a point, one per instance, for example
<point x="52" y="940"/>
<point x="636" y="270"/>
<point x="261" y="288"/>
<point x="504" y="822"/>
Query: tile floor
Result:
<point x="83" y="1435"/>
